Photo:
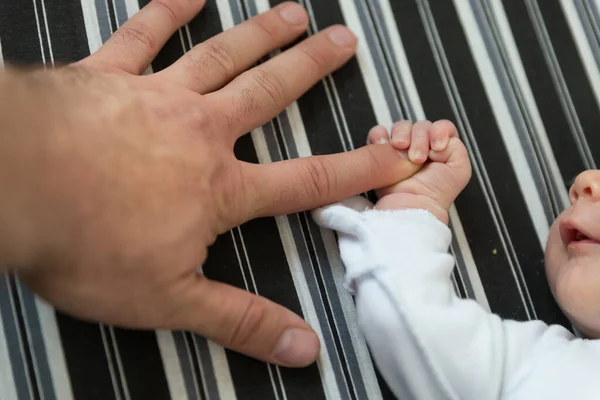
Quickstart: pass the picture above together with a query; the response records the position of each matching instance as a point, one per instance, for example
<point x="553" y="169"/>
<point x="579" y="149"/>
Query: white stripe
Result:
<point x="298" y="277"/>
<point x="519" y="71"/>
<point x="222" y="371"/>
<point x="560" y="83"/>
<point x="54" y="350"/>
<point x="110" y="362"/>
<point x="20" y="335"/>
<point x="504" y="121"/>
<point x="92" y="29"/>
<point x="47" y="33"/>
<point x="1" y="55"/>
<point x="583" y="46"/>
<point x="472" y="273"/>
<point x="132" y="7"/>
<point x="361" y="350"/>
<point x="37" y="22"/>
<point x="172" y="366"/>
<point x="115" y="13"/>
<point x="401" y="59"/>
<point x="479" y="171"/>
<point x="417" y="107"/>
<point x="8" y="390"/>
<point x="202" y="376"/>
<point x="343" y="133"/>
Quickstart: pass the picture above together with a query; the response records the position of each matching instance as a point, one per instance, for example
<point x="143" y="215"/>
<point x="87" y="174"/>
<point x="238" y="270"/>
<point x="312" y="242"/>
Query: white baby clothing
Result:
<point x="430" y="344"/>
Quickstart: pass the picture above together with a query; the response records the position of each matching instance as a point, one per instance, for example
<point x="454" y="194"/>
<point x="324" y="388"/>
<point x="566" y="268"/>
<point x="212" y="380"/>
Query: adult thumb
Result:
<point x="246" y="323"/>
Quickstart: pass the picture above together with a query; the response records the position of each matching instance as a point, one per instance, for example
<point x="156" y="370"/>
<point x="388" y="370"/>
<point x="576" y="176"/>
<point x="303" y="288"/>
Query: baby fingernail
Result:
<point x="293" y="14"/>
<point x="402" y="153"/>
<point x="416" y="155"/>
<point x="342" y="36"/>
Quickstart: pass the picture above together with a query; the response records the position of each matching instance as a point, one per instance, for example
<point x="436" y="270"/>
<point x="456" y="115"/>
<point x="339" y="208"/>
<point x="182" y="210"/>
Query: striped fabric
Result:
<point x="521" y="79"/>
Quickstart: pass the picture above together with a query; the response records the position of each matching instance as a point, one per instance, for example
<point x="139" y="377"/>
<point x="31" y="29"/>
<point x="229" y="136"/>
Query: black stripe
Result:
<point x="142" y="364"/>
<point x="41" y="25"/>
<point x="574" y="72"/>
<point x="109" y="346"/>
<point x="171" y="51"/>
<point x="69" y="40"/>
<point x="27" y="350"/>
<point x="511" y="202"/>
<point x="85" y="358"/>
<point x="112" y="17"/>
<point x="20" y="42"/>
<point x="544" y="91"/>
<point x="250" y="377"/>
<point x="189" y="344"/>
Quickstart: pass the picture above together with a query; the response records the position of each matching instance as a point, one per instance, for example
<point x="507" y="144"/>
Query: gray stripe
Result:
<point x="560" y="84"/>
<point x="589" y="20"/>
<point x="382" y="69"/>
<point x="120" y="10"/>
<point x="13" y="341"/>
<point x="103" y="20"/>
<point x="36" y="342"/>
<point x="479" y="170"/>
<point x="208" y="372"/>
<point x="518" y="112"/>
<point x="185" y="362"/>
<point x="307" y="267"/>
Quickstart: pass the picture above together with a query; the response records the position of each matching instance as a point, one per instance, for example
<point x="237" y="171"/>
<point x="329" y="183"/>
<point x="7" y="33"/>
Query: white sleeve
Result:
<point x="427" y="342"/>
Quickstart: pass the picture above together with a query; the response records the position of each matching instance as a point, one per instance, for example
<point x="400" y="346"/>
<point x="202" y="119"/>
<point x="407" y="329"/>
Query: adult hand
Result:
<point x="123" y="181"/>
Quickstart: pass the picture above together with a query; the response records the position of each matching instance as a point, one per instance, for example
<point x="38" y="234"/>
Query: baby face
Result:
<point x="573" y="255"/>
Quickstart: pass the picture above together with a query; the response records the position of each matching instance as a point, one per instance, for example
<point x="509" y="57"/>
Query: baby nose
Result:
<point x="587" y="185"/>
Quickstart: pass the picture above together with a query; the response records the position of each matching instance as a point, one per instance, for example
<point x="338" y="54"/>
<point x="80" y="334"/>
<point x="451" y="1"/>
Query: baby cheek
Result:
<point x="577" y="291"/>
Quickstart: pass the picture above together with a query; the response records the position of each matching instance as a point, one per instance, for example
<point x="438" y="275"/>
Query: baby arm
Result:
<point x="427" y="342"/>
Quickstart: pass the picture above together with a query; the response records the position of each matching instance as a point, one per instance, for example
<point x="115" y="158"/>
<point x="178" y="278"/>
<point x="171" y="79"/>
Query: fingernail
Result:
<point x="416" y="155"/>
<point x="402" y="153"/>
<point x="342" y="36"/>
<point x="297" y="347"/>
<point x="293" y="14"/>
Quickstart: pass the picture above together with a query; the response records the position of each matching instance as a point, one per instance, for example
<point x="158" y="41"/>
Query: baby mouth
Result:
<point x="573" y="237"/>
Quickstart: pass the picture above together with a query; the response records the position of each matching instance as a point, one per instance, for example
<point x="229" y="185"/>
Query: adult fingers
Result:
<point x="136" y="43"/>
<point x="259" y="94"/>
<point x="212" y="64"/>
<point x="246" y="323"/>
<point x="301" y="184"/>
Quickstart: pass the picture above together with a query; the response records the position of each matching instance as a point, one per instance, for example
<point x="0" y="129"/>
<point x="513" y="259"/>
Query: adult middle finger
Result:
<point x="259" y="94"/>
<point x="213" y="63"/>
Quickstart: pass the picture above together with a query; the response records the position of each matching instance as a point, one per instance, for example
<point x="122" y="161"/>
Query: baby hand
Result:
<point x="445" y="173"/>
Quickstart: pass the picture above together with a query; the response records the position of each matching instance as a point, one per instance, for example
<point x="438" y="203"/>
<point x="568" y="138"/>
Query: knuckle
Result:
<point x="215" y="55"/>
<point x="271" y="84"/>
<point x="270" y="30"/>
<point x="373" y="163"/>
<point x="316" y="57"/>
<point x="139" y="36"/>
<point x="320" y="178"/>
<point x="249" y="323"/>
<point x="168" y="7"/>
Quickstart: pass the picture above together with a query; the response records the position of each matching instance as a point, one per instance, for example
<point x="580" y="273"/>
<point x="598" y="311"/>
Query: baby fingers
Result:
<point x="440" y="133"/>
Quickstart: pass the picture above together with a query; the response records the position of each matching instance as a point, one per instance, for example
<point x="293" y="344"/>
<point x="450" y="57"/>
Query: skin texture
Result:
<point x="114" y="185"/>
<point x="572" y="265"/>
<point x="572" y="271"/>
